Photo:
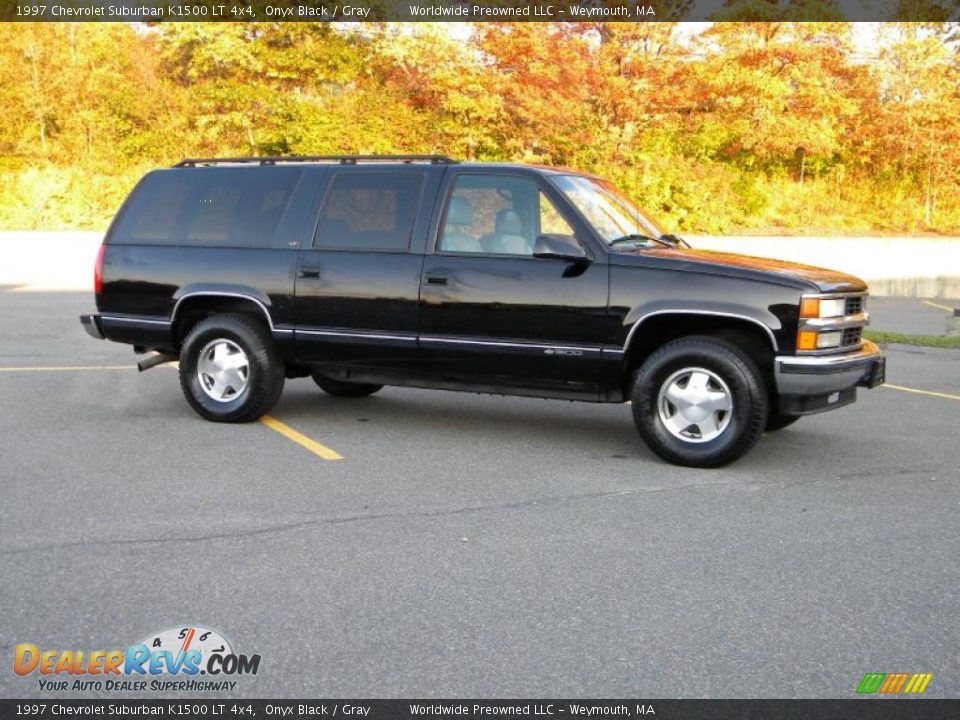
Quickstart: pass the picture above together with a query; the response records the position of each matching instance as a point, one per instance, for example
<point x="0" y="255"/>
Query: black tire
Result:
<point x="264" y="375"/>
<point x="733" y="432"/>
<point x="776" y="421"/>
<point x="341" y="388"/>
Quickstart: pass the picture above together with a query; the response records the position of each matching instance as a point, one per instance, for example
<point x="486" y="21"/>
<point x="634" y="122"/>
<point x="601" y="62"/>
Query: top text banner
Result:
<point x="480" y="10"/>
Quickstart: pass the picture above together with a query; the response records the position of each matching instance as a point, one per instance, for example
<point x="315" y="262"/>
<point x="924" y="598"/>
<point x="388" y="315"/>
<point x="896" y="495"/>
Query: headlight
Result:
<point x="819" y="308"/>
<point x="831" y="339"/>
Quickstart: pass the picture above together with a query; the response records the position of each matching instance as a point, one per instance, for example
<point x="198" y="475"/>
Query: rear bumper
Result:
<point x="817" y="383"/>
<point x="145" y="331"/>
<point x="91" y="323"/>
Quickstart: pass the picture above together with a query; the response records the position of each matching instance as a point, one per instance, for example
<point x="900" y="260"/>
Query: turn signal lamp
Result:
<point x="807" y="340"/>
<point x="810" y="308"/>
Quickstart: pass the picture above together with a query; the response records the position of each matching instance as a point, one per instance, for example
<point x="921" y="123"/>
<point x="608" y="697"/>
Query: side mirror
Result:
<point x="559" y="247"/>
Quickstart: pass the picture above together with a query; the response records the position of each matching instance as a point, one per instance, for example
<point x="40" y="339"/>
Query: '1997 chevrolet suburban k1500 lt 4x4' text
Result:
<point x="512" y="279"/>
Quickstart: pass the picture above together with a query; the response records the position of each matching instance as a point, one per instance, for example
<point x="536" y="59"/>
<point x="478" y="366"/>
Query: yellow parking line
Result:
<point x="66" y="368"/>
<point x="931" y="393"/>
<point x="301" y="439"/>
<point x="937" y="306"/>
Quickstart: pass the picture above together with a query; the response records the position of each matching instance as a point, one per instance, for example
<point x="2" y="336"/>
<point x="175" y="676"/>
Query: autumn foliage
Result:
<point x="776" y="127"/>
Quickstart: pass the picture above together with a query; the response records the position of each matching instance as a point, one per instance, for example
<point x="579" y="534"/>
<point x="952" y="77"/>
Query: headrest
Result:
<point x="508" y="223"/>
<point x="460" y="212"/>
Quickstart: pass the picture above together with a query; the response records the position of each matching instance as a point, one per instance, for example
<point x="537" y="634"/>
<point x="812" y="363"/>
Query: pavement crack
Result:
<point x="361" y="517"/>
<point x="441" y="512"/>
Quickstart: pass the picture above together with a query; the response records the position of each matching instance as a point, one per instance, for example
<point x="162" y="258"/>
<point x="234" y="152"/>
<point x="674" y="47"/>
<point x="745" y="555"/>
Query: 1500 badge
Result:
<point x="563" y="351"/>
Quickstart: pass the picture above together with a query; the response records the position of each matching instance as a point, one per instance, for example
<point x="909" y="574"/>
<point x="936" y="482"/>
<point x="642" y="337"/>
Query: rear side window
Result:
<point x="208" y="207"/>
<point x="370" y="211"/>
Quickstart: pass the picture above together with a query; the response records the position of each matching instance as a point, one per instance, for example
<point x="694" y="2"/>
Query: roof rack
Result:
<point x="341" y="159"/>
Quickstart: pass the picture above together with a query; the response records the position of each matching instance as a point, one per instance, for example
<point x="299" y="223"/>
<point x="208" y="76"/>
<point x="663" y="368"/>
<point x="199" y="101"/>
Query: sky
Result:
<point x="866" y="35"/>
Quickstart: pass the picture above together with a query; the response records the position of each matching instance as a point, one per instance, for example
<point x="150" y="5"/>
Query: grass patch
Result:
<point x="937" y="341"/>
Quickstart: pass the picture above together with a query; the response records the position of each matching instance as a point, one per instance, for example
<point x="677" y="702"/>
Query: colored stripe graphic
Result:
<point x="918" y="683"/>
<point x="871" y="683"/>
<point x="894" y="683"/>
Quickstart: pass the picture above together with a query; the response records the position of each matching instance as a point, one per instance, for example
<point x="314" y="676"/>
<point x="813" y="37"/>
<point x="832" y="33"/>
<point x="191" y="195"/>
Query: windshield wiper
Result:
<point x="634" y="238"/>
<point x="675" y="240"/>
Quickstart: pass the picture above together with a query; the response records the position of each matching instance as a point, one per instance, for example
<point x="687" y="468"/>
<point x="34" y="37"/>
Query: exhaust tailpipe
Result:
<point x="154" y="360"/>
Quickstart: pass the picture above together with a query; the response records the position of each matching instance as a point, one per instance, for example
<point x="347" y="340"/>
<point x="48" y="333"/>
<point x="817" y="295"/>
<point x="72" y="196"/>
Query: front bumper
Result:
<point x="91" y="323"/>
<point x="809" y="384"/>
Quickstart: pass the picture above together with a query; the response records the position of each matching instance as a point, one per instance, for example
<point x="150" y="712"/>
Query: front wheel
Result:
<point x="230" y="370"/>
<point x="699" y="402"/>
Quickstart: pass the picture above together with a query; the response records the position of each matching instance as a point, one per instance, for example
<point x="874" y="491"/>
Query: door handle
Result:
<point x="309" y="272"/>
<point x="436" y="280"/>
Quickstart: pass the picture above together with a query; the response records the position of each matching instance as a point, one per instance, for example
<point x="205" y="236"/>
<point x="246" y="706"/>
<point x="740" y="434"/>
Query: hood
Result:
<point x="826" y="281"/>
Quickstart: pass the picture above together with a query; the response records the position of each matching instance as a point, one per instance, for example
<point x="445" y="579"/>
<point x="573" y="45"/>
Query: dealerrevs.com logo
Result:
<point x="167" y="661"/>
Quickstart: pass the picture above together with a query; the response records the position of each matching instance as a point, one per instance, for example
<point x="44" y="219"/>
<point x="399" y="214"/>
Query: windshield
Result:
<point x="612" y="215"/>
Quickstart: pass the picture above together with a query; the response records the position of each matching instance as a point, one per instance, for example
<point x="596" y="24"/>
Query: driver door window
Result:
<point x="497" y="215"/>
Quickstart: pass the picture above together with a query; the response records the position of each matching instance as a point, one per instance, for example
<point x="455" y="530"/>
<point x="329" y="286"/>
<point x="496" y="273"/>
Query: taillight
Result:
<point x="98" y="271"/>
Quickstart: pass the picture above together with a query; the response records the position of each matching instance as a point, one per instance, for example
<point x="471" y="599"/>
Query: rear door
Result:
<point x="357" y="286"/>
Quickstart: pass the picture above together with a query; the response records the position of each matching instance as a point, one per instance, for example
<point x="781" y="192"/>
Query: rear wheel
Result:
<point x="341" y="388"/>
<point x="776" y="421"/>
<point x="699" y="402"/>
<point x="230" y="370"/>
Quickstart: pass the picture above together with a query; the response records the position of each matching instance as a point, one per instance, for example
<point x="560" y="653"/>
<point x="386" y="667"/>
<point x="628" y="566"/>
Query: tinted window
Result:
<point x="230" y="207"/>
<point x="154" y="210"/>
<point x="370" y="211"/>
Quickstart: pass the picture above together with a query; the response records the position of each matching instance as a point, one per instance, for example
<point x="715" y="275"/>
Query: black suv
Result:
<point x="420" y="271"/>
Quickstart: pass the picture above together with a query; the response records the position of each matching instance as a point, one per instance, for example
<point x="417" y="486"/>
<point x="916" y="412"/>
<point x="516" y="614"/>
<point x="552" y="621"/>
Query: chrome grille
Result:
<point x="855" y="305"/>
<point x="851" y="336"/>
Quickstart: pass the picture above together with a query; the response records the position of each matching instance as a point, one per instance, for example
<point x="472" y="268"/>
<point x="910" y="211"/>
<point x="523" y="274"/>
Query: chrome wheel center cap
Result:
<point x="695" y="405"/>
<point x="223" y="370"/>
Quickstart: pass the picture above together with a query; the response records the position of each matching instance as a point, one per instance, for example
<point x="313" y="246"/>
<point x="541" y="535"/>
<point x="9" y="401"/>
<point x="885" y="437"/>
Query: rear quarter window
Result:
<point x="208" y="207"/>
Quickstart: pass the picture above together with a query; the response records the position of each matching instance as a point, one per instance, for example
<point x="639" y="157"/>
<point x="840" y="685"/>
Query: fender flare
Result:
<point x="699" y="311"/>
<point x="232" y="291"/>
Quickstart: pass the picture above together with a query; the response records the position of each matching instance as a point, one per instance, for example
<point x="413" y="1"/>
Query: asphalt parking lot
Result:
<point x="472" y="546"/>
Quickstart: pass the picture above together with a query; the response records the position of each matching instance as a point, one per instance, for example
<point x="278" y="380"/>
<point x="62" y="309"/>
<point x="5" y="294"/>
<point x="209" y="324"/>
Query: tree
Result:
<point x="913" y="128"/>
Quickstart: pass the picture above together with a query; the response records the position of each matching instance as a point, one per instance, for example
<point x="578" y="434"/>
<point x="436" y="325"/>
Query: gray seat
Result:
<point x="459" y="216"/>
<point x="507" y="237"/>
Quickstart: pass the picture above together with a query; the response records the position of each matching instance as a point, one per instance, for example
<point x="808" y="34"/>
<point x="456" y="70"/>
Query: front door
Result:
<point x="492" y="314"/>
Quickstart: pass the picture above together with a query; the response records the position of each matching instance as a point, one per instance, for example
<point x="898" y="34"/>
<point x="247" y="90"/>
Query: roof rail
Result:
<point x="342" y="159"/>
